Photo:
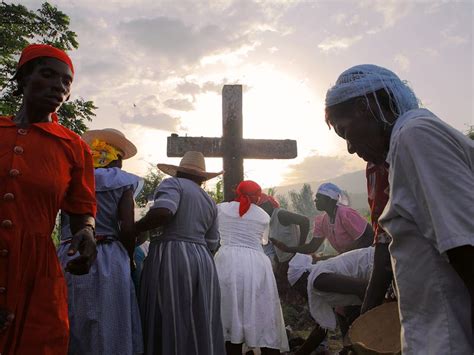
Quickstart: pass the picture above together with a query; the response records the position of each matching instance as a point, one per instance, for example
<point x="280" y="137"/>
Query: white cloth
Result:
<point x="289" y="235"/>
<point x="250" y="305"/>
<point x="430" y="211"/>
<point x="297" y="266"/>
<point x="355" y="263"/>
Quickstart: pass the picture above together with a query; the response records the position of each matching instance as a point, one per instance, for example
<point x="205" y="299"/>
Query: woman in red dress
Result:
<point x="44" y="167"/>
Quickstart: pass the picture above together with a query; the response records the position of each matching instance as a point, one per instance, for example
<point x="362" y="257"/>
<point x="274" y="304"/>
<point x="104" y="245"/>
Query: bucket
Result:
<point x="377" y="331"/>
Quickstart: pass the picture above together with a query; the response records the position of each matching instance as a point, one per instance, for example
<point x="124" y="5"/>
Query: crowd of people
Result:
<point x="210" y="278"/>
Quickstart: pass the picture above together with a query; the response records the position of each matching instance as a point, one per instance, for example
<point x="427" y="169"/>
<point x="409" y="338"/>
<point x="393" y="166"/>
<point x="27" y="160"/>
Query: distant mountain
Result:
<point x="354" y="183"/>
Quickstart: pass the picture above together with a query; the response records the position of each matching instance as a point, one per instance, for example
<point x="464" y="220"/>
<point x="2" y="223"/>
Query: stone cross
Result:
<point x="232" y="147"/>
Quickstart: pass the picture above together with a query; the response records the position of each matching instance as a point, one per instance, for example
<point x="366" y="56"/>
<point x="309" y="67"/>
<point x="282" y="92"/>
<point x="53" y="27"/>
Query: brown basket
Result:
<point x="377" y="331"/>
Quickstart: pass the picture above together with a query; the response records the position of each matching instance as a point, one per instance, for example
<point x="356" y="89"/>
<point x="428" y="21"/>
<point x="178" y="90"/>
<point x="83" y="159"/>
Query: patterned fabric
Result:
<point x="250" y="306"/>
<point x="43" y="168"/>
<point x="103" y="307"/>
<point x="103" y="153"/>
<point x="430" y="211"/>
<point x="348" y="226"/>
<point x="378" y="194"/>
<point x="179" y="290"/>
<point x="366" y="79"/>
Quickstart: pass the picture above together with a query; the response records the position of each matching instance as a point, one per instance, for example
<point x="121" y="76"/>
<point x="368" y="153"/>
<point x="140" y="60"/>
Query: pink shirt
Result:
<point x="348" y="226"/>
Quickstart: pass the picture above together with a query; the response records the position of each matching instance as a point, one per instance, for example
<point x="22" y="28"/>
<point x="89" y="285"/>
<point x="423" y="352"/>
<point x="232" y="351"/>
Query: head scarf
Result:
<point x="247" y="192"/>
<point x="34" y="51"/>
<point x="330" y="190"/>
<point x="297" y="266"/>
<point x="267" y="198"/>
<point x="103" y="154"/>
<point x="365" y="79"/>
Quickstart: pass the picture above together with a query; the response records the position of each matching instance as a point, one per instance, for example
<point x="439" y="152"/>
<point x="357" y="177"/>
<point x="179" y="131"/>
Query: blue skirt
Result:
<point x="103" y="309"/>
<point x="180" y="300"/>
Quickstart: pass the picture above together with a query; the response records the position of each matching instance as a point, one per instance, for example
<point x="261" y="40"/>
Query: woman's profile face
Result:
<point x="48" y="86"/>
<point x="364" y="133"/>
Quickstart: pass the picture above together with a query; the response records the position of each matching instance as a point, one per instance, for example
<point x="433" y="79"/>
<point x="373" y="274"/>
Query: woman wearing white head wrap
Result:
<point x="429" y="214"/>
<point x="343" y="227"/>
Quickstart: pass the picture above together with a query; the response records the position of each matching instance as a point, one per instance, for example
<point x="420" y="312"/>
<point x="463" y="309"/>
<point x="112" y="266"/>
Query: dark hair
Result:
<point x="23" y="72"/>
<point x="384" y="98"/>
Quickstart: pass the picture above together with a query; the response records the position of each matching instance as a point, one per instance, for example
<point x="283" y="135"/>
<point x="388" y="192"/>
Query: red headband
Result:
<point x="34" y="51"/>
<point x="267" y="198"/>
<point x="247" y="192"/>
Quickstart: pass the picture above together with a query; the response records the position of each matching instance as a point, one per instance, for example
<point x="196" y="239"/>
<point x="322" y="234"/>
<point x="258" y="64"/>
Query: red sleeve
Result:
<point x="80" y="196"/>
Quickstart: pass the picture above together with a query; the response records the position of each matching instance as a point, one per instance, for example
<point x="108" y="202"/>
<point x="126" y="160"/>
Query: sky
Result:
<point x="158" y="67"/>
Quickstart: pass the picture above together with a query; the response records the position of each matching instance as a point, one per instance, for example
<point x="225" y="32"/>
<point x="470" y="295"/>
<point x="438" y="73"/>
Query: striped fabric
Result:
<point x="179" y="289"/>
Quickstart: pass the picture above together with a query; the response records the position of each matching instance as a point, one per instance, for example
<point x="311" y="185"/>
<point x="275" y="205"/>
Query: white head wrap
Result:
<point x="365" y="79"/>
<point x="297" y="266"/>
<point x="330" y="190"/>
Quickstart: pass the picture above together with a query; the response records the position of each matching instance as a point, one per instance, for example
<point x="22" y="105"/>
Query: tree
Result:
<point x="20" y="26"/>
<point x="302" y="202"/>
<point x="218" y="193"/>
<point x="151" y="180"/>
<point x="470" y="132"/>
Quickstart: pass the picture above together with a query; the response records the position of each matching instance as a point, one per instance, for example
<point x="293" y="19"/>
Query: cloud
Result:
<point x="453" y="38"/>
<point x="194" y="88"/>
<point x="320" y="167"/>
<point x="403" y="62"/>
<point x="338" y="43"/>
<point x="147" y="112"/>
<point x="179" y="104"/>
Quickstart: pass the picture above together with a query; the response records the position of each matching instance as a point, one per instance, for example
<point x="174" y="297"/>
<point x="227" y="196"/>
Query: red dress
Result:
<point x="43" y="168"/>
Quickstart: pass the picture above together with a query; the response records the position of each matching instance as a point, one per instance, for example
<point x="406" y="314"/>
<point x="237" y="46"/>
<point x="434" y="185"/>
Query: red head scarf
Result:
<point x="34" y="51"/>
<point x="267" y="198"/>
<point x="247" y="192"/>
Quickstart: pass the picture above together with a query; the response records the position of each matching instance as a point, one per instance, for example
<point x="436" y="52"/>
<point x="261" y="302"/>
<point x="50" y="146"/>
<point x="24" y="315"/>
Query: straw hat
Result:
<point x="192" y="163"/>
<point x="113" y="137"/>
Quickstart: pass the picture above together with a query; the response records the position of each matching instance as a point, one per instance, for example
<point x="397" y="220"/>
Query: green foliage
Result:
<point x="19" y="27"/>
<point x="151" y="180"/>
<point x="218" y="193"/>
<point x="283" y="200"/>
<point x="302" y="202"/>
<point x="470" y="132"/>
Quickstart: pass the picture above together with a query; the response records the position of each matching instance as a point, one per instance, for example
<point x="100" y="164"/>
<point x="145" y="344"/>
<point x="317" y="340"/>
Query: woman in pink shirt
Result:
<point x="343" y="226"/>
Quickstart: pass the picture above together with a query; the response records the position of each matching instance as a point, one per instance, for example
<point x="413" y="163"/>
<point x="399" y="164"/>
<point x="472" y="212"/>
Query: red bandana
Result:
<point x="34" y="51"/>
<point x="267" y="198"/>
<point x="247" y="192"/>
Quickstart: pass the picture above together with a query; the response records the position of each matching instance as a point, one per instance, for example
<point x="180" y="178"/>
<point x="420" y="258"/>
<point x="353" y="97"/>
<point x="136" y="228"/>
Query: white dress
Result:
<point x="250" y="305"/>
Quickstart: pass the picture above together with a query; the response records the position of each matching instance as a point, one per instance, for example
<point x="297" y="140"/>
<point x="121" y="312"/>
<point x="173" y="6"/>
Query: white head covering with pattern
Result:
<point x="365" y="79"/>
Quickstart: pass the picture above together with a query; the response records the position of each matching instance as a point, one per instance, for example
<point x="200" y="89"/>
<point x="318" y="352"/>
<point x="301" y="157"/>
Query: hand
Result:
<point x="6" y="319"/>
<point x="84" y="242"/>
<point x="280" y="245"/>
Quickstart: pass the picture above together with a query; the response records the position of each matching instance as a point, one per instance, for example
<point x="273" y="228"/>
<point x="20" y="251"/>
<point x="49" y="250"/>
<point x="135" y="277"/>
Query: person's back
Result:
<point x="250" y="230"/>
<point x="250" y="305"/>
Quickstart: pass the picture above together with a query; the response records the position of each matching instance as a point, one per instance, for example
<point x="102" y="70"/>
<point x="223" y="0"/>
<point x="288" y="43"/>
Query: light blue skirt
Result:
<point x="103" y="308"/>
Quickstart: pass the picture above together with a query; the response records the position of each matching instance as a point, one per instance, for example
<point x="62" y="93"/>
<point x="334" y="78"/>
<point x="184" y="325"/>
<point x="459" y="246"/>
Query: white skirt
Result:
<point x="250" y="305"/>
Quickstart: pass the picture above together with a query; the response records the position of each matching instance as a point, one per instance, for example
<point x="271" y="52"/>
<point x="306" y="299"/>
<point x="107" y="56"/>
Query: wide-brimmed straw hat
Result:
<point x="113" y="137"/>
<point x="192" y="163"/>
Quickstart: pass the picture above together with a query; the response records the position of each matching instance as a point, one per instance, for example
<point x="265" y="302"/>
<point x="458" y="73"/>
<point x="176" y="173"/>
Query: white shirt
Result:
<point x="430" y="211"/>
